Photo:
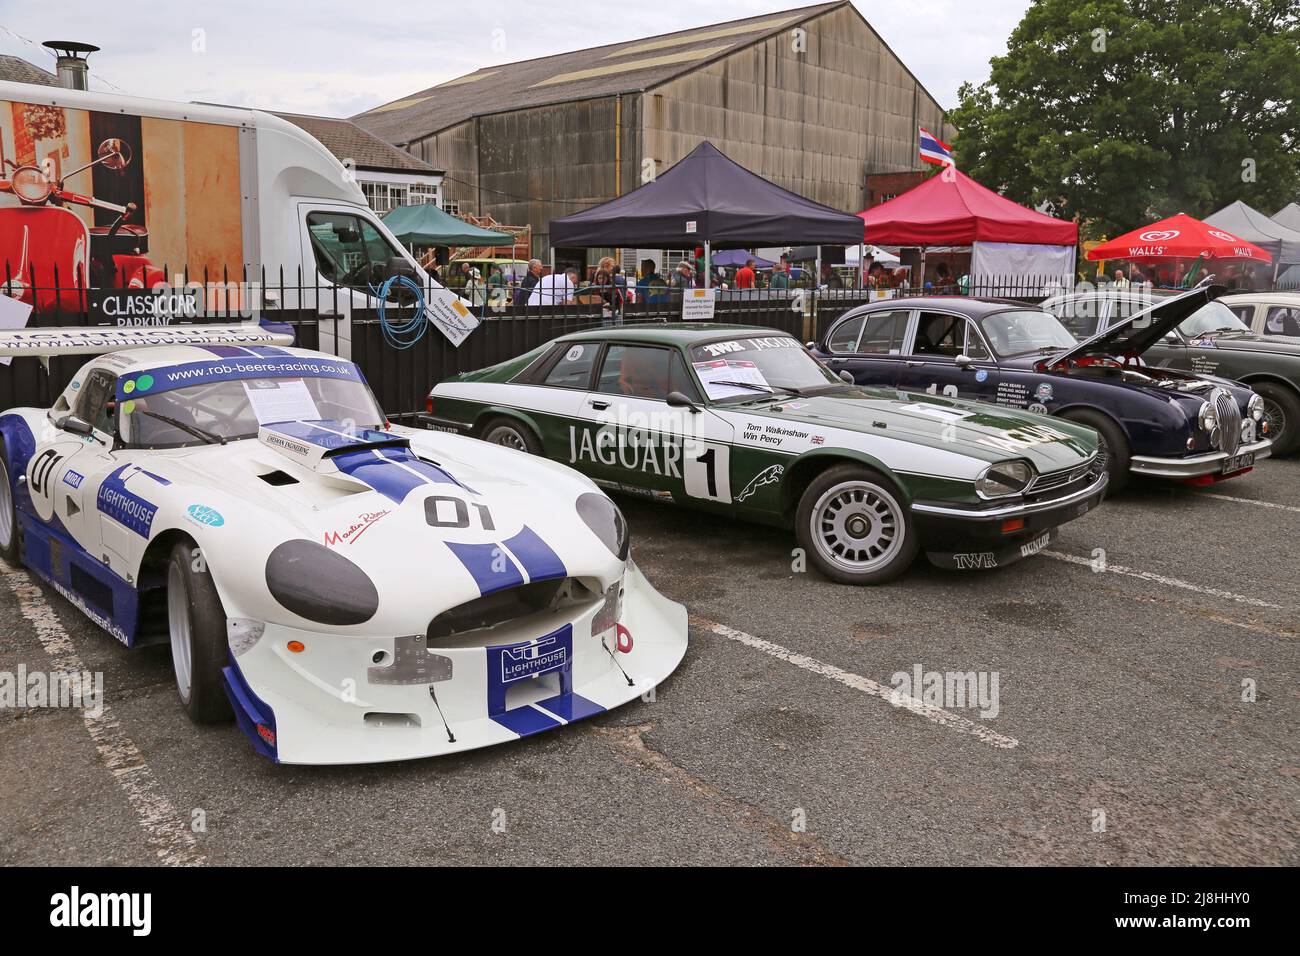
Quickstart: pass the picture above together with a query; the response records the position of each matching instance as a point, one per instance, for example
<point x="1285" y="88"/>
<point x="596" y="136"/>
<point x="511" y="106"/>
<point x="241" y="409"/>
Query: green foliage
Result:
<point x="1125" y="111"/>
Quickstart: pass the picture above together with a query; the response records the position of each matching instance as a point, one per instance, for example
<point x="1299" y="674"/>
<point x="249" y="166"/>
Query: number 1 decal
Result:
<point x="708" y="471"/>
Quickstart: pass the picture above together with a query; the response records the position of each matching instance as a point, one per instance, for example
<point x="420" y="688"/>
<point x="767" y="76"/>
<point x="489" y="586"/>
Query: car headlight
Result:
<point x="319" y="584"/>
<point x="1004" y="478"/>
<point x="1255" y="408"/>
<point x="606" y="522"/>
<point x="1207" y="419"/>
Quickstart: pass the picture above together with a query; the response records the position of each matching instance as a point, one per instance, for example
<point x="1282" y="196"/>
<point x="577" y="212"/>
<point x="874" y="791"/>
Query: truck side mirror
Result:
<point x="400" y="266"/>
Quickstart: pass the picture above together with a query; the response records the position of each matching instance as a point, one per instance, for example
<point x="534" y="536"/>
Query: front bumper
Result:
<point x="977" y="538"/>
<point x="1196" y="466"/>
<point x="320" y="706"/>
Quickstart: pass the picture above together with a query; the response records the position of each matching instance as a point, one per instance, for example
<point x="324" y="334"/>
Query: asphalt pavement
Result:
<point x="1141" y="706"/>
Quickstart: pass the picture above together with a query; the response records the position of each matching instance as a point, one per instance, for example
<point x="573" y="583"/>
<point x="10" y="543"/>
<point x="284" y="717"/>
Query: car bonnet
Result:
<point x="1137" y="333"/>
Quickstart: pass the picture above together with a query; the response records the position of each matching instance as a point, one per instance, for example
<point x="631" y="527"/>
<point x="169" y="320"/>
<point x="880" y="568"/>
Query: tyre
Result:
<point x="10" y="543"/>
<point x="1113" y="450"/>
<point x="510" y="433"/>
<point x="196" y="622"/>
<point x="1282" y="412"/>
<point x="855" y="526"/>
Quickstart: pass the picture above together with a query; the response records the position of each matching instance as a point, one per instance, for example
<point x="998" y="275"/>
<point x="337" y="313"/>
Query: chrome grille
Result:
<point x="1059" y="479"/>
<point x="1229" y="421"/>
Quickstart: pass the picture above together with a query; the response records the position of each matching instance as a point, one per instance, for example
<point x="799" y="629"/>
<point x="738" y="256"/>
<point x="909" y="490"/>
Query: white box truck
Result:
<point x="139" y="211"/>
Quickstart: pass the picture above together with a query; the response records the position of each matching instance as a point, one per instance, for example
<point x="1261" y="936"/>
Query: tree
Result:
<point x="1121" y="112"/>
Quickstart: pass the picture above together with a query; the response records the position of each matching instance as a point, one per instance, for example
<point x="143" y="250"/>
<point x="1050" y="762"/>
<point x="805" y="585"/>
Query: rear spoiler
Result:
<point x="97" y="340"/>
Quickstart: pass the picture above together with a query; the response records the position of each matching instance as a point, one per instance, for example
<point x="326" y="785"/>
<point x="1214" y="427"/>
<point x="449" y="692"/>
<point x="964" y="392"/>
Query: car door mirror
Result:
<point x="71" y="423"/>
<point x="963" y="361"/>
<point x="678" y="400"/>
<point x="847" y="377"/>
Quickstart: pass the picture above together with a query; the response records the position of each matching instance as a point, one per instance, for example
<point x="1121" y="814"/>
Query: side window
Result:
<point x="637" y="371"/>
<point x="883" y="333"/>
<point x="98" y="401"/>
<point x="573" y="369"/>
<point x="975" y="343"/>
<point x="349" y="250"/>
<point x="844" y="338"/>
<point x="939" y="334"/>
<point x="1282" y="320"/>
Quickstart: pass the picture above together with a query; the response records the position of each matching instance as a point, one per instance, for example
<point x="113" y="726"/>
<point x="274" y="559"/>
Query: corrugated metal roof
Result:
<point x="15" y="69"/>
<point x="347" y="141"/>
<point x="582" y="74"/>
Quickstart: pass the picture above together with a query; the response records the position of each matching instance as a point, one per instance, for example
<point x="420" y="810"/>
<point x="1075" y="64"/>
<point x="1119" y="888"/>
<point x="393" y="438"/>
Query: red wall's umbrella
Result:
<point x="1178" y="237"/>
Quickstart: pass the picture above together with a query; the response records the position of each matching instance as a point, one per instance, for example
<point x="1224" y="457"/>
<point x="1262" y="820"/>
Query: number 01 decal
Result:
<point x="708" y="471"/>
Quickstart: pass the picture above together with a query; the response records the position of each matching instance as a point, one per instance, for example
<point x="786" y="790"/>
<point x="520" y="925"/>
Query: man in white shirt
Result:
<point x="554" y="289"/>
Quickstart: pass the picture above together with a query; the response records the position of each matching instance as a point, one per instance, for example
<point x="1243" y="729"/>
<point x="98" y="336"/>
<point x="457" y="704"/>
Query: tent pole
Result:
<point x="862" y="265"/>
<point x="817" y="271"/>
<point x="708" y="264"/>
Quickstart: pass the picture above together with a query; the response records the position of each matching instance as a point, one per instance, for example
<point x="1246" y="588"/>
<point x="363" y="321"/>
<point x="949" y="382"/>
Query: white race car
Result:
<point x="354" y="591"/>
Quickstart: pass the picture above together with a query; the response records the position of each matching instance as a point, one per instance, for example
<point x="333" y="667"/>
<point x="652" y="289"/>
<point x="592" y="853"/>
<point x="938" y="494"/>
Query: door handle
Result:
<point x="599" y="406"/>
<point x="914" y="364"/>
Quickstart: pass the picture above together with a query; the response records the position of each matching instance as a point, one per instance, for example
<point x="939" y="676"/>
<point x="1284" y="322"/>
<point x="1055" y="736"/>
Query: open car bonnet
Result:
<point x="1132" y="336"/>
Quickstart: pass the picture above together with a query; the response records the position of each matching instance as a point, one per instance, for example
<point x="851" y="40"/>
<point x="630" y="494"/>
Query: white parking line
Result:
<point x="936" y="715"/>
<point x="1251" y="501"/>
<point x="1161" y="579"/>
<point x="172" y="843"/>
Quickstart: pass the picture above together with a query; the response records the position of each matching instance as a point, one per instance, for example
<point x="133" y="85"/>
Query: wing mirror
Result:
<point x="963" y="361"/>
<point x="71" y="423"/>
<point x="678" y="400"/>
<point x="847" y="377"/>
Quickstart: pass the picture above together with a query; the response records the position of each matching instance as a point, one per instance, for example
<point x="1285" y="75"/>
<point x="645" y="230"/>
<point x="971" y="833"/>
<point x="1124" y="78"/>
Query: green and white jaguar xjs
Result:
<point x="745" y="421"/>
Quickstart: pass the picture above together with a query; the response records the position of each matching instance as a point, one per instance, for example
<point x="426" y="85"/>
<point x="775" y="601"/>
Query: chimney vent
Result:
<point x="73" y="71"/>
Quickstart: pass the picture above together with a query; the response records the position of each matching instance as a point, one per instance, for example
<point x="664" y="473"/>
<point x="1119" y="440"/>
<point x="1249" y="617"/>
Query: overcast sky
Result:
<point x="345" y="56"/>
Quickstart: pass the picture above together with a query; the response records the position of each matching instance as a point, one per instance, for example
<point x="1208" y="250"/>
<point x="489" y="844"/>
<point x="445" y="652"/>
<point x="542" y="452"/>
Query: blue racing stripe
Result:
<point x="491" y="567"/>
<point x="431" y="472"/>
<point x="571" y="707"/>
<point x="265" y="350"/>
<point x="226" y="351"/>
<point x="379" y="473"/>
<point x="541" y="563"/>
<point x="525" y="720"/>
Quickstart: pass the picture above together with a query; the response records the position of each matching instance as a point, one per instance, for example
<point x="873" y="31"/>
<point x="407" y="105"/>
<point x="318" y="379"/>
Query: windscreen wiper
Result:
<point x="754" y="385"/>
<point x="194" y="430"/>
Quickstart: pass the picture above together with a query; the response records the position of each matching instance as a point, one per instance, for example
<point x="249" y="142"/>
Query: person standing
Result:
<point x="555" y="289"/>
<point x="745" y="275"/>
<point x="684" y="277"/>
<point x="530" y="280"/>
<point x="781" y="274"/>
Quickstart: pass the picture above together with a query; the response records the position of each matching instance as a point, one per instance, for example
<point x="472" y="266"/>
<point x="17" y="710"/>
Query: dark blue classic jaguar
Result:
<point x="1152" y="421"/>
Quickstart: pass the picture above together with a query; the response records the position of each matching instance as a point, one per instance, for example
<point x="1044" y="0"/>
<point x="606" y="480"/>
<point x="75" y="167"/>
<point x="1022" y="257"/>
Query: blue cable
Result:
<point x="402" y="334"/>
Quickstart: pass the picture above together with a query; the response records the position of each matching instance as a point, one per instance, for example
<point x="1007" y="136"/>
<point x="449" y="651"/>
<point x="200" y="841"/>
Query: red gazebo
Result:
<point x="1178" y="237"/>
<point x="951" y="209"/>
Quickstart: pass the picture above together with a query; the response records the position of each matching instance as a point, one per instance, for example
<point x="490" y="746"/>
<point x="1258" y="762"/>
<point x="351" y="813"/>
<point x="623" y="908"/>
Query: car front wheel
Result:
<point x="1113" y="452"/>
<point x="196" y="623"/>
<point x="9" y="541"/>
<point x="855" y="526"/>
<point x="1282" y="412"/>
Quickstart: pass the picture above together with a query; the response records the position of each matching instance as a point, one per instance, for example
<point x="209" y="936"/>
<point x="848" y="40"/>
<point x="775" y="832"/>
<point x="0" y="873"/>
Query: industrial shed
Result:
<point x="812" y="99"/>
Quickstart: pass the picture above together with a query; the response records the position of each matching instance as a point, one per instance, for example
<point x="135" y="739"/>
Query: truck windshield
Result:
<point x="231" y="410"/>
<point x="755" y="366"/>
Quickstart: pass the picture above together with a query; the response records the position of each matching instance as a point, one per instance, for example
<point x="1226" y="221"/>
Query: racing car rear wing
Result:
<point x="97" y="340"/>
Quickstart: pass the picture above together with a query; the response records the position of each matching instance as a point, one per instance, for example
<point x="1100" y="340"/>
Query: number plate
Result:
<point x="1237" y="462"/>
